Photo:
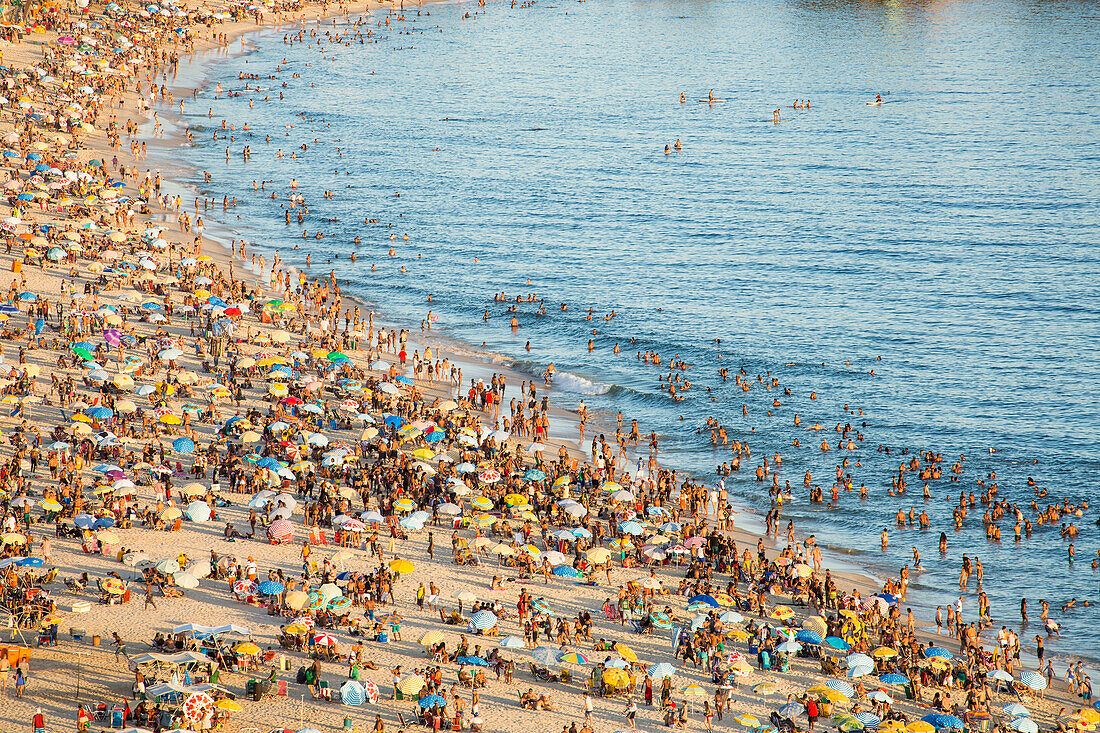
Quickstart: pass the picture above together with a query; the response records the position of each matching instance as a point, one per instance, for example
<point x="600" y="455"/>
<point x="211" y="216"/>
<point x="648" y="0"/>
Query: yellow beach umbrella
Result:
<point x="402" y="567"/>
<point x="247" y="647"/>
<point x="431" y="638"/>
<point x="229" y="705"/>
<point x="626" y="652"/>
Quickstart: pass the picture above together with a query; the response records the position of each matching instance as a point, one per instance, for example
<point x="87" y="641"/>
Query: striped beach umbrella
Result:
<point x="431" y="638"/>
<point x="483" y="620"/>
<point x="840" y="686"/>
<point x="661" y="670"/>
<point x="1024" y="725"/>
<point x="1033" y="680"/>
<point x="411" y="685"/>
<point x="352" y="693"/>
<point x="324" y="639"/>
<point x="280" y="531"/>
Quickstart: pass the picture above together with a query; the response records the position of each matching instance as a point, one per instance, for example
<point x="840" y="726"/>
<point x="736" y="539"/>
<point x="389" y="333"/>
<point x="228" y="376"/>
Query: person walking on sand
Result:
<point x="630" y="712"/>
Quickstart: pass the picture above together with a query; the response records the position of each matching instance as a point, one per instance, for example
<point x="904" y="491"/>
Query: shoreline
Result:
<point x="172" y="152"/>
<point x="58" y="684"/>
<point x="867" y="577"/>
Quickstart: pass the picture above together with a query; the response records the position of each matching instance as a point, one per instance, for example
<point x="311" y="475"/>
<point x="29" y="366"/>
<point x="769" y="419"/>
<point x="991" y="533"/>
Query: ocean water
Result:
<point x="947" y="239"/>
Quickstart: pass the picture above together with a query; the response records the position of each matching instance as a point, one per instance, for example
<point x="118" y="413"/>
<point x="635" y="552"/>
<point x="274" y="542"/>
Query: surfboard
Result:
<point x="874" y="104"/>
<point x="711" y="101"/>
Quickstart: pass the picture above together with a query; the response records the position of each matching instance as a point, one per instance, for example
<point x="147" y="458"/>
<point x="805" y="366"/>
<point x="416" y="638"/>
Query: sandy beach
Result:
<point x="203" y="450"/>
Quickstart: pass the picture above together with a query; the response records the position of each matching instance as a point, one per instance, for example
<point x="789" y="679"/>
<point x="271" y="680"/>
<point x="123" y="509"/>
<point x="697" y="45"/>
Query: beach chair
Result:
<point x="76" y="634"/>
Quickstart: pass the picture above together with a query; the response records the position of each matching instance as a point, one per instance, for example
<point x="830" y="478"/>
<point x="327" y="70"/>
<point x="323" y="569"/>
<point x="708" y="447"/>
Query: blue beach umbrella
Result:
<point x="937" y="652"/>
<point x="893" y="678"/>
<point x="545" y="654"/>
<point x="431" y="701"/>
<point x="943" y="721"/>
<point x="806" y="636"/>
<point x="564" y="571"/>
<point x="183" y="445"/>
<point x="483" y="620"/>
<point x="351" y="693"/>
<point x="704" y="598"/>
<point x="837" y="643"/>
<point x="841" y="686"/>
<point x="271" y="588"/>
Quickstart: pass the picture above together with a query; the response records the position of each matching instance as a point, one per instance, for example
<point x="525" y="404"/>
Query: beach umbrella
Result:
<point x="881" y="696"/>
<point x="626" y="652"/>
<point x="1033" y="680"/>
<point x="185" y="580"/>
<point x="919" y="726"/>
<point x="296" y="599"/>
<point x="860" y="670"/>
<point x="860" y="659"/>
<point x="840" y="686"/>
<point x="352" y="693"/>
<point x="198" y="511"/>
<point x="790" y="710"/>
<point x="403" y="567"/>
<point x="114" y="586"/>
<point x="704" y="598"/>
<point x="545" y="654"/>
<point x="1024" y="725"/>
<point x="431" y="701"/>
<point x="869" y="720"/>
<point x="747" y="719"/>
<point x="183" y="445"/>
<point x="466" y="596"/>
<point x="941" y="721"/>
<point x="893" y="678"/>
<point x="807" y="637"/>
<point x="370" y="690"/>
<point x="168" y="566"/>
<point x="661" y="670"/>
<point x="411" y="684"/>
<point x="200" y="568"/>
<point x="936" y="652"/>
<point x="1016" y="710"/>
<point x="511" y="642"/>
<point x="789" y="647"/>
<point x="431" y="638"/>
<point x="598" y="554"/>
<point x="280" y="530"/>
<point x="244" y="587"/>
<point x="324" y="639"/>
<point x="483" y="620"/>
<point x="271" y="588"/>
<point x="198" y="706"/>
<point x="837" y="643"/>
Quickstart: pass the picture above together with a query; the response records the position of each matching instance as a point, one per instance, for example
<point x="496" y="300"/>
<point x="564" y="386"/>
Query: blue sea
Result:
<point x="948" y="239"/>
